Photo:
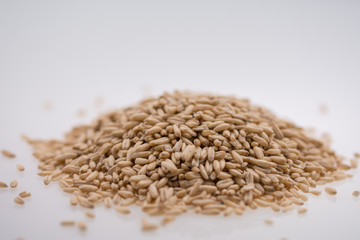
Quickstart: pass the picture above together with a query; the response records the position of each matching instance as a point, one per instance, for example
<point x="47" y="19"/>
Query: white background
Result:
<point x="290" y="56"/>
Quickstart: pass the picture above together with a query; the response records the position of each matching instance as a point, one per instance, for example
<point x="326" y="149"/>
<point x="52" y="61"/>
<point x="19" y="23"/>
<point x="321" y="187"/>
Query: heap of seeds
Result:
<point x="185" y="151"/>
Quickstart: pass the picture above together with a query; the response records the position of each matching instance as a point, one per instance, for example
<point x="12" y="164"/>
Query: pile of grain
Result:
<point x="185" y="151"/>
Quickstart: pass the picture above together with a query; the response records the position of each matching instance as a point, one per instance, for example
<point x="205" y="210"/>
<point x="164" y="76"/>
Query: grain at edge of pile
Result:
<point x="73" y="200"/>
<point x="268" y="222"/>
<point x="82" y="225"/>
<point x="147" y="226"/>
<point x="20" y="167"/>
<point x="47" y="179"/>
<point x="19" y="200"/>
<point x="167" y="219"/>
<point x="288" y="208"/>
<point x="89" y="214"/>
<point x="8" y="154"/>
<point x="67" y="223"/>
<point x="353" y="163"/>
<point x="13" y="184"/>
<point x="356" y="193"/>
<point x="122" y="209"/>
<point x="331" y="191"/>
<point x="315" y="192"/>
<point x="302" y="210"/>
<point x="3" y="185"/>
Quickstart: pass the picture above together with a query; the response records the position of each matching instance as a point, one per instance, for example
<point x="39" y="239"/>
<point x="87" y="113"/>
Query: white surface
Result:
<point x="288" y="56"/>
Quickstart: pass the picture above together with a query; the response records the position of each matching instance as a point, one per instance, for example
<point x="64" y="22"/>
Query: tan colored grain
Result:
<point x="67" y="223"/>
<point x="189" y="152"/>
<point x="20" y="167"/>
<point x="302" y="210"/>
<point x="167" y="219"/>
<point x="330" y="191"/>
<point x="88" y="188"/>
<point x="315" y="192"/>
<point x="24" y="194"/>
<point x="89" y="214"/>
<point x="268" y="222"/>
<point x="84" y="202"/>
<point x="354" y="163"/>
<point x="19" y="200"/>
<point x="8" y="154"/>
<point x="108" y="202"/>
<point x="356" y="193"/>
<point x="82" y="226"/>
<point x="3" y="185"/>
<point x="147" y="226"/>
<point x="288" y="208"/>
<point x="13" y="184"/>
<point x="47" y="180"/>
<point x="122" y="209"/>
<point x="73" y="200"/>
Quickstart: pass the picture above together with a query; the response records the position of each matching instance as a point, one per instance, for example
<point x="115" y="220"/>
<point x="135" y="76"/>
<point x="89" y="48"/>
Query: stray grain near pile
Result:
<point x="315" y="192"/>
<point x="82" y="225"/>
<point x="3" y="185"/>
<point x="302" y="210"/>
<point x="330" y="191"/>
<point x="356" y="193"/>
<point x="20" y="167"/>
<point x="167" y="219"/>
<point x="13" y="184"/>
<point x="67" y="223"/>
<point x="89" y="214"/>
<point x="183" y="151"/>
<point x="122" y="209"/>
<point x="24" y="194"/>
<point x="268" y="222"/>
<point x="8" y="154"/>
<point x="147" y="226"/>
<point x="19" y="201"/>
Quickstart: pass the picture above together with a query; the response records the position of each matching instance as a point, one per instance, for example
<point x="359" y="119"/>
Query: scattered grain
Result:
<point x="302" y="210"/>
<point x="315" y="192"/>
<point x="24" y="194"/>
<point x="147" y="226"/>
<point x="19" y="200"/>
<point x="82" y="225"/>
<point x="167" y="219"/>
<point x="3" y="185"/>
<point x="354" y="163"/>
<point x="67" y="223"/>
<point x="122" y="209"/>
<point x="89" y="214"/>
<point x="330" y="191"/>
<point x="20" y="167"/>
<point x="13" y="184"/>
<point x="356" y="193"/>
<point x="268" y="222"/>
<point x="8" y="154"/>
<point x="73" y="200"/>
